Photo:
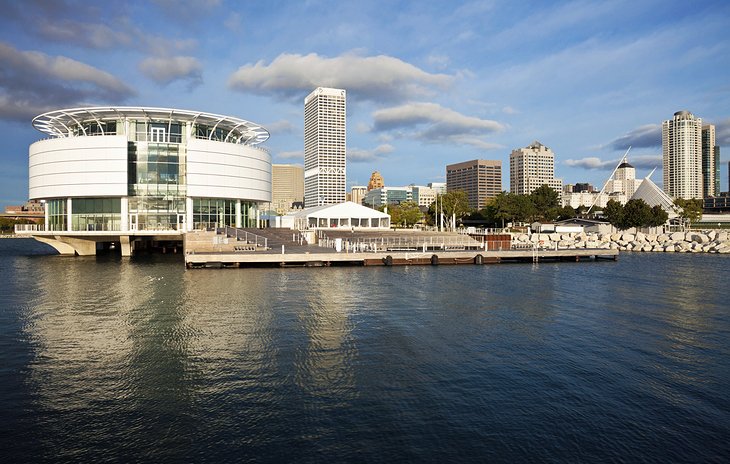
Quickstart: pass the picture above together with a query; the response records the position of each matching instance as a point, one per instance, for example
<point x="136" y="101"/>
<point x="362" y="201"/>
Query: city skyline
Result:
<point x="428" y="84"/>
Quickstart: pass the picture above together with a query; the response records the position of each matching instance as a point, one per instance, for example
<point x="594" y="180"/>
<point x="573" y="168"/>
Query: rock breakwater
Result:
<point x="679" y="242"/>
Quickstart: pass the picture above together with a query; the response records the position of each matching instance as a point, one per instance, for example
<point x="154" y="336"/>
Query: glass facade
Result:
<point x="56" y="214"/>
<point x="156" y="213"/>
<point x="96" y="214"/>
<point x="216" y="212"/>
<point x="156" y="169"/>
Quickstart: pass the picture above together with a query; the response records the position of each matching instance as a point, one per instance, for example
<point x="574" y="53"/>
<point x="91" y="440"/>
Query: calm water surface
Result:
<point x="109" y="359"/>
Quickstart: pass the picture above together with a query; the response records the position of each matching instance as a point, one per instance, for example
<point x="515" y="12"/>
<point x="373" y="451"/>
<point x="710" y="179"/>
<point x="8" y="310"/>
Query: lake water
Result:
<point x="109" y="359"/>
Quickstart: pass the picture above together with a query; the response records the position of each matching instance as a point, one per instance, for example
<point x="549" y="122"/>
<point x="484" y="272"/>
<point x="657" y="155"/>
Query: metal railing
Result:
<point x="20" y="228"/>
<point x="403" y="244"/>
<point x="244" y="236"/>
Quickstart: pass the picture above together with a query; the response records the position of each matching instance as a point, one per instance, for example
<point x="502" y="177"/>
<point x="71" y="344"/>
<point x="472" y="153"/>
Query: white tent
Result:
<point x="345" y="215"/>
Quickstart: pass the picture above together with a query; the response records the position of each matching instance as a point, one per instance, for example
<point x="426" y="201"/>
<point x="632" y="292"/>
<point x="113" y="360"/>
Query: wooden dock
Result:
<point x="389" y="258"/>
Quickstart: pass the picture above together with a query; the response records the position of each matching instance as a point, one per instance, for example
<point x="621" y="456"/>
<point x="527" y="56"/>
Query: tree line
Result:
<point x="543" y="205"/>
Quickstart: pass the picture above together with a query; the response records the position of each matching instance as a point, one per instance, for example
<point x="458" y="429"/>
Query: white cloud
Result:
<point x="31" y="81"/>
<point x="431" y="122"/>
<point x="283" y="126"/>
<point x="377" y="78"/>
<point x="357" y="155"/>
<point x="594" y="163"/>
<point x="120" y="32"/>
<point x="165" y="70"/>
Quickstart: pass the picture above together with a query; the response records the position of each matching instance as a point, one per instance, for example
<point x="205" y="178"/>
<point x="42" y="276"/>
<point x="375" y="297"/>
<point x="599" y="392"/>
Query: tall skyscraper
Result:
<point x="710" y="162"/>
<point x="480" y="179"/>
<point x="532" y="167"/>
<point x="287" y="187"/>
<point x="324" y="147"/>
<point x="682" y="156"/>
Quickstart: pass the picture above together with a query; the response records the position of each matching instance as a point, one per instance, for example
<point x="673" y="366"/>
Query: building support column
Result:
<point x="124" y="226"/>
<point x="238" y="214"/>
<point x="69" y="215"/>
<point x="126" y="245"/>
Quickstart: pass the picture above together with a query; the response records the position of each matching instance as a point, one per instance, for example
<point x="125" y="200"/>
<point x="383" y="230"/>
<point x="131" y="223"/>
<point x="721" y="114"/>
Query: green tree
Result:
<point x="455" y="203"/>
<point x="566" y="212"/>
<point x="614" y="213"/>
<point x="405" y="214"/>
<point x="510" y="207"/>
<point x="636" y="214"/>
<point x="546" y="202"/>
<point x="690" y="210"/>
<point x="658" y="216"/>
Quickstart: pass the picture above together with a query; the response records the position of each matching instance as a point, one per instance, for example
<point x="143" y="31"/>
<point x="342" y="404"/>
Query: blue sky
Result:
<point x="429" y="83"/>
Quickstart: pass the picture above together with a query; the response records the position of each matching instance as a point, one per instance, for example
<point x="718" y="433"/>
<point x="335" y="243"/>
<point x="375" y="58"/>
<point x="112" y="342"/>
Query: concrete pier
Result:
<point x="389" y="258"/>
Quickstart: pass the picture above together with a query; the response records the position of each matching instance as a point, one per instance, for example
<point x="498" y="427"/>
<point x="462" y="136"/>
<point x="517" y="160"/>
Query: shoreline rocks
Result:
<point x="677" y="242"/>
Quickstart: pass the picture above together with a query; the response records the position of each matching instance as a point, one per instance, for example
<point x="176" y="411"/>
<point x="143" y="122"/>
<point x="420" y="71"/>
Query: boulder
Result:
<point x="662" y="238"/>
<point x="721" y="237"/>
<point x="640" y="237"/>
<point x="615" y="237"/>
<point x="554" y="237"/>
<point x="699" y="238"/>
<point x="628" y="237"/>
<point x="677" y="236"/>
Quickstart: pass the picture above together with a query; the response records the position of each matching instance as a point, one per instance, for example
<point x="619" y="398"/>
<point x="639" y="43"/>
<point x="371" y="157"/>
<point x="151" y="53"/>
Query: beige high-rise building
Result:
<point x="287" y="187"/>
<point x="376" y="181"/>
<point x="325" y="164"/>
<point x="357" y="193"/>
<point x="623" y="184"/>
<point x="682" y="156"/>
<point x="532" y="167"/>
<point x="480" y="179"/>
<point x="710" y="162"/>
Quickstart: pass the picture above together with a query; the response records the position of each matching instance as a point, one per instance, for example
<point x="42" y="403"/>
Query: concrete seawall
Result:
<point x="679" y="242"/>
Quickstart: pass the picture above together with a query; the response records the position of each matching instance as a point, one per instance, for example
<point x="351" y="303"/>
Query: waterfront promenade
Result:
<point x="286" y="248"/>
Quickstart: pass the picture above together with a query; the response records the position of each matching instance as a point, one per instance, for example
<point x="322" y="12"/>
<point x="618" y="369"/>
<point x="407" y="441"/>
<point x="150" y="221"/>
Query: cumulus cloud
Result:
<point x="283" y="126"/>
<point x="378" y="78"/>
<point x="357" y="155"/>
<point x="31" y="81"/>
<point x="647" y="136"/>
<point x="431" y="122"/>
<point x="165" y="70"/>
<point x="594" y="163"/>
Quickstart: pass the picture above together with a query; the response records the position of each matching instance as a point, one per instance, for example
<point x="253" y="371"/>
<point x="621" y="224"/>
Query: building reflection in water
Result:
<point x="325" y="367"/>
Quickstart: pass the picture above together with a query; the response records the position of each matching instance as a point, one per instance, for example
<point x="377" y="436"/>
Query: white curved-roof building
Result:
<point x="147" y="170"/>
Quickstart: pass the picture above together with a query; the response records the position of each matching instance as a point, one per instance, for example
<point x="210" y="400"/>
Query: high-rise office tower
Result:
<point x="287" y="187"/>
<point x="480" y="179"/>
<point x="710" y="162"/>
<point x="324" y="147"/>
<point x="682" y="156"/>
<point x="532" y="167"/>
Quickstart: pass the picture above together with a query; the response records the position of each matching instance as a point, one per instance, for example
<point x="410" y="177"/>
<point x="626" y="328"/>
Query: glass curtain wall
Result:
<point x="96" y="214"/>
<point x="157" y="177"/>
<point x="217" y="212"/>
<point x="56" y="214"/>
